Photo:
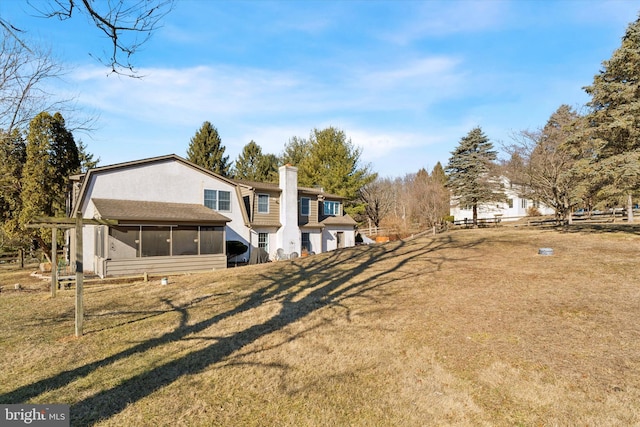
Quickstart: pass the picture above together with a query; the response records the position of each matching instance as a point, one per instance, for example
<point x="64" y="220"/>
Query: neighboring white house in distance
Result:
<point x="167" y="214"/>
<point x="514" y="208"/>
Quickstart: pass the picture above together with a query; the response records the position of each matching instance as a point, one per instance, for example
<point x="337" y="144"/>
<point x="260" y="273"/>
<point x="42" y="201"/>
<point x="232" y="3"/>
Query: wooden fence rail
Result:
<point x="12" y="257"/>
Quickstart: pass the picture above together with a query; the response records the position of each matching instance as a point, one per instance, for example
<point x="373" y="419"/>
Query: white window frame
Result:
<point x="213" y="199"/>
<point x="261" y="198"/>
<point x="330" y="207"/>
<point x="263" y="241"/>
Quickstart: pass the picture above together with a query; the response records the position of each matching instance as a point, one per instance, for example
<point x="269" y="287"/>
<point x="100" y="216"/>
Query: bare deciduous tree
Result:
<point x="546" y="169"/>
<point x="378" y="198"/>
<point x="24" y="74"/>
<point x="431" y="200"/>
<point x="127" y="24"/>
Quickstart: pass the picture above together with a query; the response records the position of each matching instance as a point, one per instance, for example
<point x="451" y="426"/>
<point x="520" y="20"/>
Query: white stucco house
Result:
<point x="166" y="214"/>
<point x="514" y="208"/>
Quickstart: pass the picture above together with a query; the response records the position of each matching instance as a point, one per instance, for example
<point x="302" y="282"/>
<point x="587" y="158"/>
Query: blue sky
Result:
<point x="404" y="79"/>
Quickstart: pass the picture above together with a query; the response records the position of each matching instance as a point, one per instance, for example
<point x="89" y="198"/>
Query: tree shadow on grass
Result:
<point x="301" y="287"/>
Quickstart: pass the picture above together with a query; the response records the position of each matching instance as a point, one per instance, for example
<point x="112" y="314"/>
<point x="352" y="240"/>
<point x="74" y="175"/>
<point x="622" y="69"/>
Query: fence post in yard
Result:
<point x="79" y="268"/>
<point x="54" y="261"/>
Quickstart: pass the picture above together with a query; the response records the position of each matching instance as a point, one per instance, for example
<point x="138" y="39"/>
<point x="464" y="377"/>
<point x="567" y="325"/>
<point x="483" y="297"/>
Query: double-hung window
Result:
<point x="263" y="203"/>
<point x="218" y="200"/>
<point x="304" y="206"/>
<point x="332" y="208"/>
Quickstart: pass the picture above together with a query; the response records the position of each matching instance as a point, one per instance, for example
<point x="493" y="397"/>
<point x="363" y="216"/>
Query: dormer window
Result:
<point x="331" y="208"/>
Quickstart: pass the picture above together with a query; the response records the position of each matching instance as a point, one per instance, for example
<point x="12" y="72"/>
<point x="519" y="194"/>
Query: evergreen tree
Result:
<point x="614" y="119"/>
<point x="542" y="162"/>
<point x="295" y="151"/>
<point x="65" y="161"/>
<point x="246" y="165"/>
<point x="51" y="157"/>
<point x="333" y="163"/>
<point x="206" y="150"/>
<point x="12" y="158"/>
<point x="268" y="168"/>
<point x="86" y="158"/>
<point x="470" y="172"/>
<point x="441" y="194"/>
<point x="252" y="165"/>
<point x="438" y="174"/>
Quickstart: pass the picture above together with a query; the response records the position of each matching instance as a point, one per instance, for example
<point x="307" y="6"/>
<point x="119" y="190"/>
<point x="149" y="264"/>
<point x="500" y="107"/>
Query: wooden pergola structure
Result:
<point x="67" y="223"/>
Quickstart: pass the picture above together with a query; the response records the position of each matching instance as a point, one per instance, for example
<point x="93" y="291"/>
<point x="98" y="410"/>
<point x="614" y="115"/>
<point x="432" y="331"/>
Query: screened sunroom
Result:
<point x="157" y="237"/>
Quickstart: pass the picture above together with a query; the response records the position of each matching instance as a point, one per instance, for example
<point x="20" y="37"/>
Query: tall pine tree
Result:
<point x="51" y="157"/>
<point x="614" y="119"/>
<point x="252" y="165"/>
<point x="86" y="159"/>
<point x="470" y="172"/>
<point x="333" y="163"/>
<point x="295" y="151"/>
<point x="206" y="150"/>
<point x="12" y="158"/>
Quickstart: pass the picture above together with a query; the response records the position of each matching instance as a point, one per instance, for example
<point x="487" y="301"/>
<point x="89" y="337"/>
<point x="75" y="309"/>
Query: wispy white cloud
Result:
<point x="404" y="80"/>
<point x="441" y="19"/>
<point x="270" y="107"/>
<point x="228" y="92"/>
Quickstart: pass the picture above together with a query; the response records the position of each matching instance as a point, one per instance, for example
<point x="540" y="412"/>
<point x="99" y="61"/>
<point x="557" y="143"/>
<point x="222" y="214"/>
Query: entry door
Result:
<point x="340" y="239"/>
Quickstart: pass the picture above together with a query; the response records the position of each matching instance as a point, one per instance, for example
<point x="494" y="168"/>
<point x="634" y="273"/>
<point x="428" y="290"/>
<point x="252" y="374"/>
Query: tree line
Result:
<point x="36" y="164"/>
<point x="575" y="160"/>
<point x="326" y="159"/>
<point x="587" y="160"/>
<point x="35" y="169"/>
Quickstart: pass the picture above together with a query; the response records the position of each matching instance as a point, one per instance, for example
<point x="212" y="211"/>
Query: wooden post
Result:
<point x="54" y="261"/>
<point x="21" y="255"/>
<point x="77" y="223"/>
<point x="79" y="276"/>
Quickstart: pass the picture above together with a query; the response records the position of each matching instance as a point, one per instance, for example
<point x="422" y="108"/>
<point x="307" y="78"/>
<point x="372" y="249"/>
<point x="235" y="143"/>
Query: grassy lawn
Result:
<point x="471" y="327"/>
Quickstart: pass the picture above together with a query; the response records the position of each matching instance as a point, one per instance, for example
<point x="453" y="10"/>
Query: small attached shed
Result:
<point x="157" y="237"/>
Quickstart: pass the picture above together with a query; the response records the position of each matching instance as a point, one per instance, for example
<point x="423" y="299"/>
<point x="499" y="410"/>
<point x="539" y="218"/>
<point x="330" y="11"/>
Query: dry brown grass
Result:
<point x="471" y="327"/>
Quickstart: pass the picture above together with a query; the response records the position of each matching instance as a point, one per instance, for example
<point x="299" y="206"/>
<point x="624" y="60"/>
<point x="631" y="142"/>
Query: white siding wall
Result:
<point x="288" y="236"/>
<point x="168" y="181"/>
<point x="315" y="238"/>
<point x="330" y="241"/>
<point x="491" y="210"/>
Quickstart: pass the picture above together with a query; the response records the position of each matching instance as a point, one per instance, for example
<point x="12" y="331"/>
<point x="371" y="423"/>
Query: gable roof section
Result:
<point x="170" y="157"/>
<point x="135" y="210"/>
<point x="270" y="186"/>
<point x="255" y="185"/>
<point x="339" y="220"/>
<point x="318" y="192"/>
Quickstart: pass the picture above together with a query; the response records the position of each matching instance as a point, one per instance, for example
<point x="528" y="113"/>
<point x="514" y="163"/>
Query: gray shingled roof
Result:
<point x="136" y="210"/>
<point x="339" y="220"/>
<point x="270" y="186"/>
